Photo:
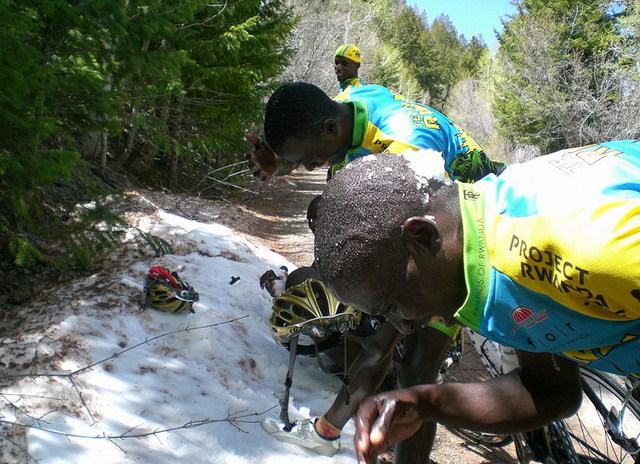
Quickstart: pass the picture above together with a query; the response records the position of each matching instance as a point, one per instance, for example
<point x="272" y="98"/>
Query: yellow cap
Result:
<point x="349" y="51"/>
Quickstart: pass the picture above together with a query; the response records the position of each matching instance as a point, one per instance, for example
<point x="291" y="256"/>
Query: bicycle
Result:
<point x="605" y="429"/>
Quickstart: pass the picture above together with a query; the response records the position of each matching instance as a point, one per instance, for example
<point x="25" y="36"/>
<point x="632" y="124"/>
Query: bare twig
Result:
<point x="36" y="422"/>
<point x="120" y="353"/>
<point x="240" y="417"/>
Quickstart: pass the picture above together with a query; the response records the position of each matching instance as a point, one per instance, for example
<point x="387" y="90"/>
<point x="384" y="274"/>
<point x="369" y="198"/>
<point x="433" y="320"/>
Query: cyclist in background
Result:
<point x="303" y="126"/>
<point x="544" y="258"/>
<point x="347" y="62"/>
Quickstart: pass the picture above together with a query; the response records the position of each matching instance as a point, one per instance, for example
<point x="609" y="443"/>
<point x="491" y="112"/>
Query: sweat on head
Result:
<point x="368" y="228"/>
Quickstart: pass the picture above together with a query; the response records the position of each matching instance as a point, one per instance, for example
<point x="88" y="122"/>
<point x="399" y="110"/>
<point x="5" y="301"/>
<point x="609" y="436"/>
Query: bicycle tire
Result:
<point x="592" y="442"/>
<point x="464" y="364"/>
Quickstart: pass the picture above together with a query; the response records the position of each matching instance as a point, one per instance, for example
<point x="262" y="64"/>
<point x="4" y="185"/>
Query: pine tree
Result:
<point x="164" y="88"/>
<point x="560" y="81"/>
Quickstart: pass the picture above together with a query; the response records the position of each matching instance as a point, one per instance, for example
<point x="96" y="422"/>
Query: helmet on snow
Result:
<point x="310" y="309"/>
<point x="165" y="291"/>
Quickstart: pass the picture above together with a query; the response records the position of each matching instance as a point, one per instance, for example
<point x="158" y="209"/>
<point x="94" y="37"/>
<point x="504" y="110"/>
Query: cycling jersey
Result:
<point x="385" y="122"/>
<point x="552" y="256"/>
<point x="352" y="81"/>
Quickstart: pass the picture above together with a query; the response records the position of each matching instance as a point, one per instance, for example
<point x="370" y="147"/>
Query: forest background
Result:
<point x="99" y="95"/>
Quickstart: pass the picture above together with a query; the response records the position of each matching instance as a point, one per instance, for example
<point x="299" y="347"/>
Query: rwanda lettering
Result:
<point x="481" y="271"/>
<point x="546" y="266"/>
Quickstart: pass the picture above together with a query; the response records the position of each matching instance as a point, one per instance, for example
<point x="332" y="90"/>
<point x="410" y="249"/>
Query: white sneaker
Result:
<point x="303" y="433"/>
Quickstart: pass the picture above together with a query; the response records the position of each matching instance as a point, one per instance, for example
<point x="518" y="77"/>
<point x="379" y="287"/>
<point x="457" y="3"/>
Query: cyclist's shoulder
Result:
<point x="369" y="91"/>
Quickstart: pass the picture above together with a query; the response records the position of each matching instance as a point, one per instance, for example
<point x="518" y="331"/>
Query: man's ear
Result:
<point x="330" y="126"/>
<point x="422" y="234"/>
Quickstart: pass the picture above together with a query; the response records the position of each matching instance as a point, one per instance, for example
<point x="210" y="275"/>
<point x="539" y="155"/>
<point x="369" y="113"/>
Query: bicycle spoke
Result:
<point x="462" y="365"/>
<point x="600" y="433"/>
<point x="605" y="430"/>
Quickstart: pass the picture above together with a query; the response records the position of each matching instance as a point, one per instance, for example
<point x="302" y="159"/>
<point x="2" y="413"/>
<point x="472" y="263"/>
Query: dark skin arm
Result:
<point x="544" y="389"/>
<point x="366" y="373"/>
<point x="423" y="354"/>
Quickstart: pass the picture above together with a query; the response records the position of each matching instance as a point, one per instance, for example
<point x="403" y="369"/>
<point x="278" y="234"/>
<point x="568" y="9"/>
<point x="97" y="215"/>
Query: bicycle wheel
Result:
<point x="464" y="364"/>
<point x="606" y="428"/>
<point x="550" y="444"/>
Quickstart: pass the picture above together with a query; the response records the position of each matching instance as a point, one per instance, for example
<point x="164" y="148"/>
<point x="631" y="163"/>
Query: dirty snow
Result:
<point x="119" y="384"/>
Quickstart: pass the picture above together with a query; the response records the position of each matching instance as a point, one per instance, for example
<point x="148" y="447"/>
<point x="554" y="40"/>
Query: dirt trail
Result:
<point x="279" y="223"/>
<point x="280" y="210"/>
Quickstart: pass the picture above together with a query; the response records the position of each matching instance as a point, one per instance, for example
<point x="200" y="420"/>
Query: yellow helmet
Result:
<point x="310" y="309"/>
<point x="165" y="291"/>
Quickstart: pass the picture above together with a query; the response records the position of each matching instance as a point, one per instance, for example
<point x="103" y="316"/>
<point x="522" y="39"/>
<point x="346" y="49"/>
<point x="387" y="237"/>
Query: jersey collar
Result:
<point x="360" y="120"/>
<point x="349" y="82"/>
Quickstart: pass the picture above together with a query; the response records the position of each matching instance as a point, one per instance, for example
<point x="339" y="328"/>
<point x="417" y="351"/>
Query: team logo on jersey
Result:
<point x="470" y="195"/>
<point x="526" y="318"/>
<point x="574" y="159"/>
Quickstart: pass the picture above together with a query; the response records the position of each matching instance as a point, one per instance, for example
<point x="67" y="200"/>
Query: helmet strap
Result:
<point x="345" y="378"/>
<point x="293" y="352"/>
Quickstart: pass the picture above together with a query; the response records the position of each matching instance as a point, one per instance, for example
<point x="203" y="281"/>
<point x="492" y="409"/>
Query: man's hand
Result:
<point x="545" y="388"/>
<point x="262" y="160"/>
<point x="384" y="420"/>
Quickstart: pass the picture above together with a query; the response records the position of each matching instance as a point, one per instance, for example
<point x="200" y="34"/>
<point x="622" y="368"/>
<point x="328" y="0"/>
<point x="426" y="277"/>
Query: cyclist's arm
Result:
<point x="473" y="166"/>
<point x="544" y="389"/>
<point x="422" y="355"/>
<point x="366" y="373"/>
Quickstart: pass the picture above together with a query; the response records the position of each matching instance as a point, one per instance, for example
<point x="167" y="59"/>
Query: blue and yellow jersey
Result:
<point x="552" y="255"/>
<point x="386" y="122"/>
<point x="345" y="85"/>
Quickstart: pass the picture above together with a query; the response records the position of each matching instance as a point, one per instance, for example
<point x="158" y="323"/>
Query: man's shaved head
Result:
<point x="358" y="236"/>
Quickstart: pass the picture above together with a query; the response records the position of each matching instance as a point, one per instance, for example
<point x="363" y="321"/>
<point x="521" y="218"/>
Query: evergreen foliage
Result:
<point x="163" y="89"/>
<point x="166" y="90"/>
<point x="430" y="58"/>
<point x="562" y="78"/>
<point x="400" y="48"/>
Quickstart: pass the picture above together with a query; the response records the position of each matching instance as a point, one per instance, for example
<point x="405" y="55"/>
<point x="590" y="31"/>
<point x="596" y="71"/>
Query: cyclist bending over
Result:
<point x="544" y="258"/>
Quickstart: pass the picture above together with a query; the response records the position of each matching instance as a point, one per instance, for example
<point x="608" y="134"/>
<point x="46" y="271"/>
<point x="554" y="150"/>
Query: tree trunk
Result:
<point x="174" y="173"/>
